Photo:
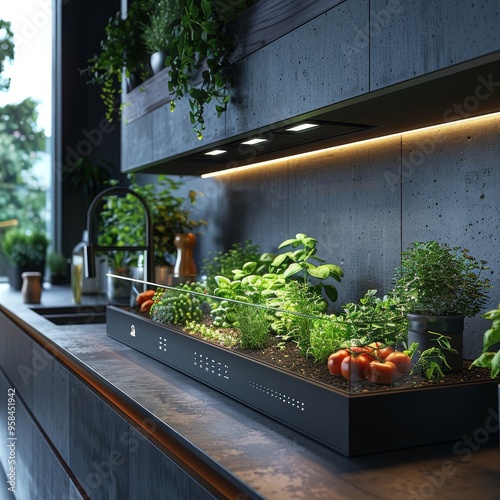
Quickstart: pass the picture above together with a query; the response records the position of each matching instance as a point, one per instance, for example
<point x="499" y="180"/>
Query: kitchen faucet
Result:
<point x="90" y="249"/>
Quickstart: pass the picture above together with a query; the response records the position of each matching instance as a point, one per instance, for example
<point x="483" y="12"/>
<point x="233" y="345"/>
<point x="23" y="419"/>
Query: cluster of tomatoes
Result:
<point x="145" y="300"/>
<point x="376" y="363"/>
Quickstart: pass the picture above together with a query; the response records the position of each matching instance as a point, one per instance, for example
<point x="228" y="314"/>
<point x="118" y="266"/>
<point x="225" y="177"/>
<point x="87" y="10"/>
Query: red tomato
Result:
<point x="360" y="349"/>
<point x="380" y="350"/>
<point x="385" y="351"/>
<point x="355" y="367"/>
<point x="335" y="360"/>
<point x="401" y="360"/>
<point x="381" y="372"/>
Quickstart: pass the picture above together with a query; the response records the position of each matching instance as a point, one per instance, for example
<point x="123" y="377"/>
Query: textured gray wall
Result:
<point x="366" y="203"/>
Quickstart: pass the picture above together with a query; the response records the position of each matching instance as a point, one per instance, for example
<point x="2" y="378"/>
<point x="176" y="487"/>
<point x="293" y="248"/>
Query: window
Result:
<point x="25" y="117"/>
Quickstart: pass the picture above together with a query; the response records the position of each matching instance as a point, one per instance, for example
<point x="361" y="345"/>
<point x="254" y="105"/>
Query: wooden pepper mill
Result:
<point x="185" y="268"/>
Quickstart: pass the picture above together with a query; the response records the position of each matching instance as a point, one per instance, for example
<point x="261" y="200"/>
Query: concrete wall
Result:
<point x="367" y="203"/>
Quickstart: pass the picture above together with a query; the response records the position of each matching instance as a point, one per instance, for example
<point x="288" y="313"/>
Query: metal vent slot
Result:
<point x="210" y="365"/>
<point x="294" y="403"/>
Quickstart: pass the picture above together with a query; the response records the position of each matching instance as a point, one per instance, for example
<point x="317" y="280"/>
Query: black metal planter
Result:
<point x="352" y="424"/>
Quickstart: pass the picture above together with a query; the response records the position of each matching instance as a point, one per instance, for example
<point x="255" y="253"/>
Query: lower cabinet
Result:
<point x="31" y="465"/>
<point x="98" y="454"/>
<point x="71" y="443"/>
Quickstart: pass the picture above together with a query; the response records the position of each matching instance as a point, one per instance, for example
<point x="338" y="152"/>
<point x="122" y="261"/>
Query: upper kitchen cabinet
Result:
<point x="409" y="39"/>
<point x="355" y="68"/>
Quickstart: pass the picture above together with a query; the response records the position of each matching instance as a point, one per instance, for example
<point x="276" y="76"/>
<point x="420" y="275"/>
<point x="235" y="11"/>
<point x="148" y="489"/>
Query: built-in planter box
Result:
<point x="350" y="424"/>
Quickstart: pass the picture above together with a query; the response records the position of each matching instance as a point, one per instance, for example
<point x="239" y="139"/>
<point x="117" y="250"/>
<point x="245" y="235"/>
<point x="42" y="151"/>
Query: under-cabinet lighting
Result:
<point x="216" y="152"/>
<point x="257" y="140"/>
<point x="302" y="127"/>
<point x="267" y="163"/>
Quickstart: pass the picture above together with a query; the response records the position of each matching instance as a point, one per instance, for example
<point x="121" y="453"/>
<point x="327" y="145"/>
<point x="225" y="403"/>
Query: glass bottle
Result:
<point x="79" y="283"/>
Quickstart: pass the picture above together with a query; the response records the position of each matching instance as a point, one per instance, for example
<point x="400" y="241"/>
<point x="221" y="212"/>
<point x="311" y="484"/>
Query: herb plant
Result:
<point x="253" y="324"/>
<point x="437" y="280"/>
<point x="431" y="361"/>
<point x="297" y="263"/>
<point x="373" y="319"/>
<point x="223" y="263"/>
<point x="297" y="307"/>
<point x="489" y="357"/>
<point x="223" y="337"/>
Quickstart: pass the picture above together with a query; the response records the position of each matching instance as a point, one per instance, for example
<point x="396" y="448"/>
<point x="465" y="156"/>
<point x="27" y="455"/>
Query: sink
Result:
<point x="73" y="315"/>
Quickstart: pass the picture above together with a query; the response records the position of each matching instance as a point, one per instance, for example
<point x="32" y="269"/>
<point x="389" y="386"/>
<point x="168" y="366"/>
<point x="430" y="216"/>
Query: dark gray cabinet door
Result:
<point x="98" y="452"/>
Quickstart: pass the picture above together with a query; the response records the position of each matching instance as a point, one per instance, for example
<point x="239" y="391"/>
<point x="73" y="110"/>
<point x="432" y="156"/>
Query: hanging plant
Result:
<point x="201" y="42"/>
<point x="122" y="53"/>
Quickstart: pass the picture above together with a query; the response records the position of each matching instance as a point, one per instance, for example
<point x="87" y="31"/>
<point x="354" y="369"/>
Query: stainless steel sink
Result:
<point x="73" y="315"/>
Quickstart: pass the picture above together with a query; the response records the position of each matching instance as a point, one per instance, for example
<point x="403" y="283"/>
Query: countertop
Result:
<point x="272" y="460"/>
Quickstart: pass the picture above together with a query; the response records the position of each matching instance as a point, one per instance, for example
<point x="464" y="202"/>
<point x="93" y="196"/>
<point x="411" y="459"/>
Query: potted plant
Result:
<point x="58" y="267"/>
<point x="122" y="224"/>
<point x="122" y="53"/>
<point x="25" y="251"/>
<point x="439" y="286"/>
<point x="158" y="31"/>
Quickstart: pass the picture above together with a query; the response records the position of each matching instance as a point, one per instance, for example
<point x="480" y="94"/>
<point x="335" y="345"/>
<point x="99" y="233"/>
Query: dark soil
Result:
<point x="290" y="359"/>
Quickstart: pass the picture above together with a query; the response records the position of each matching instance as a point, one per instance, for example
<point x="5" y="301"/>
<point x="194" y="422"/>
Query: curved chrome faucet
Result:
<point x="90" y="249"/>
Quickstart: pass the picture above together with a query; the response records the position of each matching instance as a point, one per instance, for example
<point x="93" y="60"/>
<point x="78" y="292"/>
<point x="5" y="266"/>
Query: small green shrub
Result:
<point x="327" y="335"/>
<point x="178" y="306"/>
<point x="437" y="280"/>
<point x="254" y="323"/>
<point x="25" y="248"/>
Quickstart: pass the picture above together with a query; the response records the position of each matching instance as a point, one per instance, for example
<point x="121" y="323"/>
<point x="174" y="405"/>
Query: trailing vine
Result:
<point x="201" y="42"/>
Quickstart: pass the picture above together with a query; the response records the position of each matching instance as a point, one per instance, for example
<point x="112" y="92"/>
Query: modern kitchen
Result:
<point x="348" y="136"/>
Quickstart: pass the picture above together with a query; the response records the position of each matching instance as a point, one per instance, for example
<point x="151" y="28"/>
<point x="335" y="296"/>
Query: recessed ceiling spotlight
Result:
<point x="216" y="152"/>
<point x="254" y="141"/>
<point x="301" y="127"/>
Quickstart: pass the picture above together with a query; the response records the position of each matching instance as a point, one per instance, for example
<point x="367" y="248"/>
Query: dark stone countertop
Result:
<point x="271" y="459"/>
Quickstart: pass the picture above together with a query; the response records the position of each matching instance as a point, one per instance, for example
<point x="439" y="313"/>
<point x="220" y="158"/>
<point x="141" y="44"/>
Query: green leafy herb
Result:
<point x="490" y="358"/>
